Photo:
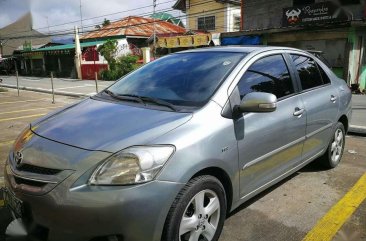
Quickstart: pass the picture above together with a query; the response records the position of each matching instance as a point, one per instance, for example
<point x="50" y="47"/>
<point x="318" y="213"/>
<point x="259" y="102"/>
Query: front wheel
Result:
<point x="198" y="212"/>
<point x="333" y="155"/>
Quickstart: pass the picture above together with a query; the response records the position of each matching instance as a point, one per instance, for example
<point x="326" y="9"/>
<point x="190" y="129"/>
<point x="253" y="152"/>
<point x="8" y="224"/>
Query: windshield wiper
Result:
<point x="124" y="97"/>
<point x="141" y="99"/>
<point x="159" y="102"/>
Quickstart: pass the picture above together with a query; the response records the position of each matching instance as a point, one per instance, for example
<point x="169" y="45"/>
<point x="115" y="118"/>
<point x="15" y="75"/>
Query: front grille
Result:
<point x="20" y="180"/>
<point x="38" y="170"/>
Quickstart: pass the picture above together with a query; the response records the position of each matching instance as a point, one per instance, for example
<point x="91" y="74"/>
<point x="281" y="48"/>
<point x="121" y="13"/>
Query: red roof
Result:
<point x="135" y="26"/>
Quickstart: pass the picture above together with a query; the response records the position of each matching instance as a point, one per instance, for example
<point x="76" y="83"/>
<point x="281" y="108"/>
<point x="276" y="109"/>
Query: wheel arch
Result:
<point x="344" y="120"/>
<point x="225" y="180"/>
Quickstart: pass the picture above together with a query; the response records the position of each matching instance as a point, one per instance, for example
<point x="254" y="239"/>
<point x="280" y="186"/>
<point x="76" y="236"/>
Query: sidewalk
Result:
<point x="358" y="122"/>
<point x="62" y="86"/>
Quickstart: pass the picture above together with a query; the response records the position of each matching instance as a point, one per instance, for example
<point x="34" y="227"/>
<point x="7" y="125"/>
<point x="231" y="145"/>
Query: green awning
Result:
<point x="167" y="17"/>
<point x="67" y="46"/>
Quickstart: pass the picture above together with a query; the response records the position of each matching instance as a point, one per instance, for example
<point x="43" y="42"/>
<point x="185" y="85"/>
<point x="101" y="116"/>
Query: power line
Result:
<point x="100" y="16"/>
<point x="70" y="31"/>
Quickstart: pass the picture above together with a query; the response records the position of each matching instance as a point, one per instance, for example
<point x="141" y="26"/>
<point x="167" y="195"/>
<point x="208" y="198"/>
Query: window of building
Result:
<point x="237" y="21"/>
<point x="308" y="71"/>
<point x="269" y="74"/>
<point x="206" y="23"/>
<point x="302" y="2"/>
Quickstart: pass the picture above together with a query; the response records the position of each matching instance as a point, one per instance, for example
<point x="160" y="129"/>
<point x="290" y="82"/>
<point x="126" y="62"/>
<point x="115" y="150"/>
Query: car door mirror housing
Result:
<point x="257" y="102"/>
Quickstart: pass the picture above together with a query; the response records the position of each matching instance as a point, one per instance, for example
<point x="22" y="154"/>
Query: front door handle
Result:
<point x="333" y="98"/>
<point x="298" y="112"/>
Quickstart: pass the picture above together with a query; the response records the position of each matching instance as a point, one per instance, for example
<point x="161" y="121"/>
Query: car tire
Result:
<point x="185" y="220"/>
<point x="333" y="155"/>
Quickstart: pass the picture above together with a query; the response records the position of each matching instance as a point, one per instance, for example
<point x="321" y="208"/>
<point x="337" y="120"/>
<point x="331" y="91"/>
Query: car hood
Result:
<point x="107" y="126"/>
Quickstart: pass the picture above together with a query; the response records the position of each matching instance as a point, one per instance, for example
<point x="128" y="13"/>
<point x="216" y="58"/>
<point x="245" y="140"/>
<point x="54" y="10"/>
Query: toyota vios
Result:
<point x="169" y="150"/>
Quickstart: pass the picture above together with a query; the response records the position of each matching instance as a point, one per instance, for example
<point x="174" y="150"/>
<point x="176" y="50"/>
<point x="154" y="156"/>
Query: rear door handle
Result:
<point x="333" y="98"/>
<point x="298" y="112"/>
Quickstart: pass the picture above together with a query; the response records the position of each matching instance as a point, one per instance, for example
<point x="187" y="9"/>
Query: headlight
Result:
<point x="23" y="138"/>
<point x="133" y="165"/>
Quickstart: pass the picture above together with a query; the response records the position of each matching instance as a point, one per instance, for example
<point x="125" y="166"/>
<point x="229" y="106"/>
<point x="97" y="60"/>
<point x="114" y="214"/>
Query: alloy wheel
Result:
<point x="201" y="217"/>
<point x="337" y="146"/>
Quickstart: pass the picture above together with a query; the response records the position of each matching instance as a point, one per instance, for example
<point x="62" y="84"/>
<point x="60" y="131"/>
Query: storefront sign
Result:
<point x="172" y="42"/>
<point x="162" y="42"/>
<point x="199" y="40"/>
<point x="185" y="41"/>
<point x="314" y="13"/>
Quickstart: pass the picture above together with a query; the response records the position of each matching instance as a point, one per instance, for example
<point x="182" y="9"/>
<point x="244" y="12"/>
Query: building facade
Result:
<point x="334" y="28"/>
<point x="18" y="33"/>
<point x="211" y="16"/>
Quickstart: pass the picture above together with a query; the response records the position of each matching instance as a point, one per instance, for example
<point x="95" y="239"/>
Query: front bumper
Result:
<point x="135" y="212"/>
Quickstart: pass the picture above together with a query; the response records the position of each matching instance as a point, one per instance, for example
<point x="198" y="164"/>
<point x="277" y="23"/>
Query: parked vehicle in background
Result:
<point x="169" y="150"/>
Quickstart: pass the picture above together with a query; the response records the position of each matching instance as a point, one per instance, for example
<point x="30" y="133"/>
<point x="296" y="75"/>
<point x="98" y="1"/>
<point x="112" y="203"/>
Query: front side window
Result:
<point x="270" y="75"/>
<point x="308" y="71"/>
<point x="206" y="23"/>
<point x="186" y="79"/>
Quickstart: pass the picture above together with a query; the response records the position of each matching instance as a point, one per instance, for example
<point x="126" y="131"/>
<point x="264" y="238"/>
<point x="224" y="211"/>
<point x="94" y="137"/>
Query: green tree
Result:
<point x="105" y="23"/>
<point x="123" y="66"/>
<point x="108" y="50"/>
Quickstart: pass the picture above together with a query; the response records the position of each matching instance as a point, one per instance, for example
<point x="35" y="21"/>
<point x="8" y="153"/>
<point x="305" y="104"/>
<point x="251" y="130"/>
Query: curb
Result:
<point x="357" y="129"/>
<point x="71" y="94"/>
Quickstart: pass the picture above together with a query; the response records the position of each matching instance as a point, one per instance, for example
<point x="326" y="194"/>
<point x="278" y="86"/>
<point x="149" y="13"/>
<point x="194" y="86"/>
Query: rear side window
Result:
<point x="308" y="71"/>
<point x="269" y="74"/>
<point x="325" y="77"/>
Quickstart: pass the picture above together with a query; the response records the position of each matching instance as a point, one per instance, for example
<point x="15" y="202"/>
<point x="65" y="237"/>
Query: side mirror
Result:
<point x="258" y="102"/>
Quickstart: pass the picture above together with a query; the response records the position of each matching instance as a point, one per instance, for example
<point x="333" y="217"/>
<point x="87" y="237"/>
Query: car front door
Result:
<point x="321" y="104"/>
<point x="269" y="144"/>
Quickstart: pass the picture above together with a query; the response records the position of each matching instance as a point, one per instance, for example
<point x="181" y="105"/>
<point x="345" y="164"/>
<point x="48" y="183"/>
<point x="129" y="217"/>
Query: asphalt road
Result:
<point x="291" y="210"/>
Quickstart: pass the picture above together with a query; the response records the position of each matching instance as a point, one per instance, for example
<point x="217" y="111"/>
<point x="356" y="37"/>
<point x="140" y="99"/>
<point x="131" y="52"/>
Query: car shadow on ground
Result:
<point x="314" y="166"/>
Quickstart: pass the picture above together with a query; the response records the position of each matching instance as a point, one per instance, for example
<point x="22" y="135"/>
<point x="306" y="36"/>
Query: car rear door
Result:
<point x="269" y="144"/>
<point x="321" y="103"/>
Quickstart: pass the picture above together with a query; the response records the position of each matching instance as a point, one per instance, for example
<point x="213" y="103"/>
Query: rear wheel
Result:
<point x="198" y="213"/>
<point x="335" y="149"/>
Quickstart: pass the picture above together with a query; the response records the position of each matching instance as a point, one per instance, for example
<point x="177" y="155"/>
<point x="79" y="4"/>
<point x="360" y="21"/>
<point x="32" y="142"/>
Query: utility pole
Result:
<point x="81" y="19"/>
<point x="77" y="54"/>
<point x="48" y="26"/>
<point x="1" y="49"/>
<point x="154" y="35"/>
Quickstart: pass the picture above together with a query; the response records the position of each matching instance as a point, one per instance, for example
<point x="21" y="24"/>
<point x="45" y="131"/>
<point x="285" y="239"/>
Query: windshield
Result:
<point x="186" y="79"/>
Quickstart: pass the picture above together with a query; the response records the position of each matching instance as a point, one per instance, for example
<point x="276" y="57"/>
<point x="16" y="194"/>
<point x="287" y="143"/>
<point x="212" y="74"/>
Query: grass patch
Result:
<point x="3" y="90"/>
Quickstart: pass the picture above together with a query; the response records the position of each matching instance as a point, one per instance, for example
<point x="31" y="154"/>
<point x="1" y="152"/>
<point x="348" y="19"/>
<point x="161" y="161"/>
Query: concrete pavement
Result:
<point x="287" y="211"/>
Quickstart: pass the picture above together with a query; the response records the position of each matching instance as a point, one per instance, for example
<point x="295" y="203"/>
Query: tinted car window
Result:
<point x="308" y="71"/>
<point x="269" y="74"/>
<point x="325" y="77"/>
<point x="187" y="79"/>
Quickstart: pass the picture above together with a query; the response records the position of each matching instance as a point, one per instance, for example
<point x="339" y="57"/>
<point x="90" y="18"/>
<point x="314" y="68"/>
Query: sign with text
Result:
<point x="314" y="13"/>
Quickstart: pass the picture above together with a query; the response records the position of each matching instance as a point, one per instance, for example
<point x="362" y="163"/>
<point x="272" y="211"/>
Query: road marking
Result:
<point x="71" y="87"/>
<point x="5" y="143"/>
<point x="20" y="101"/>
<point x="32" y="80"/>
<point x="22" y="117"/>
<point x="329" y="225"/>
<point x="17" y="111"/>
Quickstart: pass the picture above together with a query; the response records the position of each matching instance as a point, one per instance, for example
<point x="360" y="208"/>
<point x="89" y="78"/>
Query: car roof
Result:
<point x="241" y="49"/>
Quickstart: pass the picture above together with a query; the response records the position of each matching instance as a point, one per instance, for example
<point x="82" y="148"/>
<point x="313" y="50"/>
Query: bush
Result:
<point x="122" y="66"/>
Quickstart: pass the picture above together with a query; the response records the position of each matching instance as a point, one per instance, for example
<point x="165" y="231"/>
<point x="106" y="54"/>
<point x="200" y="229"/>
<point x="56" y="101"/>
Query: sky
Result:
<point x="59" y="12"/>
